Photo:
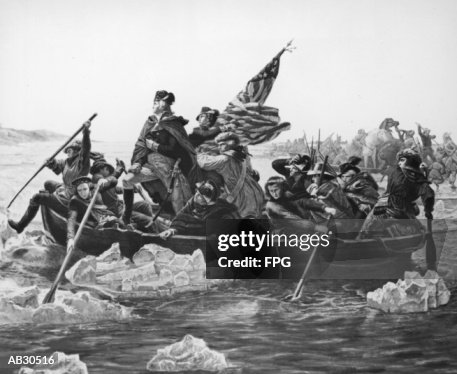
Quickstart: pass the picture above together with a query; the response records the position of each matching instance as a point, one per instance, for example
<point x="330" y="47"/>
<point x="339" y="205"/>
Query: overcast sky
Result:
<point x="355" y="63"/>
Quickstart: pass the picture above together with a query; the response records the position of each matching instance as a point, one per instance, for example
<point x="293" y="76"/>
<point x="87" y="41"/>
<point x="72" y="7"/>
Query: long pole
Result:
<point x="49" y="298"/>
<point x="50" y="158"/>
<point x="306" y="142"/>
<point x="300" y="284"/>
<point x="430" y="247"/>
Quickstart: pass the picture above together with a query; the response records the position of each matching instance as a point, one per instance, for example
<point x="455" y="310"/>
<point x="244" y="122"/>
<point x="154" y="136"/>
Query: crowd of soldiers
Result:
<point x="189" y="180"/>
<point x="440" y="158"/>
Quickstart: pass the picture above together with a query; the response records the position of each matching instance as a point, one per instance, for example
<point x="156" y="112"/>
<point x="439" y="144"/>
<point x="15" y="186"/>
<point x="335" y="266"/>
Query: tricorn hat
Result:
<point x="212" y="113"/>
<point x="351" y="164"/>
<point x="166" y="96"/>
<point x="100" y="163"/>
<point x="209" y="188"/>
<point x="76" y="182"/>
<point x="317" y="170"/>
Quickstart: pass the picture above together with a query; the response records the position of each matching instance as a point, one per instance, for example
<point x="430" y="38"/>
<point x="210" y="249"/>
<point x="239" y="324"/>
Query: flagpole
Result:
<point x="287" y="48"/>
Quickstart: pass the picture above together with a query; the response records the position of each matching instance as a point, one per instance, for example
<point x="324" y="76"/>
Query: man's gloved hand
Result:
<point x="102" y="182"/>
<point x="135" y="168"/>
<point x="167" y="233"/>
<point x="428" y="215"/>
<point x="86" y="125"/>
<point x="329" y="210"/>
<point x="49" y="162"/>
<point x="120" y="166"/>
<point x="228" y="127"/>
<point x="294" y="159"/>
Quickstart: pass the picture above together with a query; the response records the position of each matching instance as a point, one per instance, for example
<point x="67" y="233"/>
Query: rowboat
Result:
<point x="95" y="242"/>
<point x="378" y="258"/>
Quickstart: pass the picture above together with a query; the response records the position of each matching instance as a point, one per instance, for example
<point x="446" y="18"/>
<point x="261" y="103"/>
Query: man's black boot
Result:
<point x="128" y="205"/>
<point x="28" y="216"/>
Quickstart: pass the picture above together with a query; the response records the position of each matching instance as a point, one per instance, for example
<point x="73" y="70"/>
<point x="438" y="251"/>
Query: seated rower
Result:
<point x="330" y="193"/>
<point x="360" y="187"/>
<point x="100" y="216"/>
<point x="405" y="185"/>
<point x="105" y="174"/>
<point x="204" y="205"/>
<point x="281" y="203"/>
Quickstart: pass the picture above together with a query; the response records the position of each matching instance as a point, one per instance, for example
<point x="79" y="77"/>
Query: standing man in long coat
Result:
<point x="161" y="143"/>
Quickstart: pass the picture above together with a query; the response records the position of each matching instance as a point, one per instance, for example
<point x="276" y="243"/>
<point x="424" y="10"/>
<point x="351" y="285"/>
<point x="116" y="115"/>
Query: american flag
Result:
<point x="253" y="122"/>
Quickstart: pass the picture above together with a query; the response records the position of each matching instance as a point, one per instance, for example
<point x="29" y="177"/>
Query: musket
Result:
<point x="306" y="142"/>
<point x="312" y="151"/>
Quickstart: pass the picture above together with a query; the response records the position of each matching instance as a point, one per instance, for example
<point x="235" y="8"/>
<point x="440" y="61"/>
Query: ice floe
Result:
<point x="413" y="294"/>
<point x="23" y="305"/>
<point x="189" y="354"/>
<point x="155" y="272"/>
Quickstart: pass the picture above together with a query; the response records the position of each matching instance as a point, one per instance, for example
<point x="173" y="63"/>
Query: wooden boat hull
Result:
<point x="349" y="259"/>
<point x="95" y="242"/>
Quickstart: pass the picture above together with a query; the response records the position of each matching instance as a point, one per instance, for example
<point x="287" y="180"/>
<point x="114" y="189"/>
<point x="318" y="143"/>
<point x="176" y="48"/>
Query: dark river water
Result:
<point x="330" y="331"/>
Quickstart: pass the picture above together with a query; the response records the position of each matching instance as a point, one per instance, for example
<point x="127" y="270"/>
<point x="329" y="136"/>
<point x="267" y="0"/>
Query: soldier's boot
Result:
<point x="28" y="216"/>
<point x="128" y="205"/>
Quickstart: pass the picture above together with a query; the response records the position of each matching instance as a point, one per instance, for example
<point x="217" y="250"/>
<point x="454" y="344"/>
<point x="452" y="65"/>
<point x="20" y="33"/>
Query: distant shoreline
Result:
<point x="12" y="137"/>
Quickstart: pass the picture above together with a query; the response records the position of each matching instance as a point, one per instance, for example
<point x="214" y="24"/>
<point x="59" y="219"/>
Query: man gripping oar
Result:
<point x="57" y="195"/>
<point x="320" y="228"/>
<point x="82" y="186"/>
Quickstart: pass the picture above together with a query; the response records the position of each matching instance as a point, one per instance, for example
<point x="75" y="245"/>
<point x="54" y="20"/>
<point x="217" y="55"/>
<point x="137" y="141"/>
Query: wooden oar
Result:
<point x="49" y="298"/>
<point x="296" y="295"/>
<point x="298" y="290"/>
<point x="430" y="247"/>
<point x="50" y="158"/>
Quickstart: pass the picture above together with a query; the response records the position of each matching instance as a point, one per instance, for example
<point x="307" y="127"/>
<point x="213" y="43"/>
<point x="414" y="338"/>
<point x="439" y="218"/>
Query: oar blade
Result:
<point x="430" y="247"/>
<point x="49" y="298"/>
